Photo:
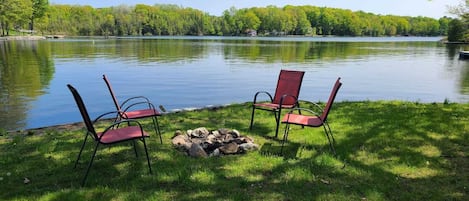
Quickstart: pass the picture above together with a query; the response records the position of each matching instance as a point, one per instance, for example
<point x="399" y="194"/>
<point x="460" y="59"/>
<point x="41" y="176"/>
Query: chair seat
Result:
<point x="312" y="121"/>
<point x="141" y="113"/>
<point x="122" y="134"/>
<point x="272" y="105"/>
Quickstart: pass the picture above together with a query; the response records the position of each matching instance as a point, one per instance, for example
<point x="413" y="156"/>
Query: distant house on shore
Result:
<point x="251" y="32"/>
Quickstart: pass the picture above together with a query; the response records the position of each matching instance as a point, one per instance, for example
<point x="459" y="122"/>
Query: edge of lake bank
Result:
<point x="5" y="38"/>
<point x="79" y="125"/>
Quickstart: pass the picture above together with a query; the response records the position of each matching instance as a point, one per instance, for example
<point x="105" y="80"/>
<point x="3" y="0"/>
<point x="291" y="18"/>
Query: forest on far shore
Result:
<point x="165" y="19"/>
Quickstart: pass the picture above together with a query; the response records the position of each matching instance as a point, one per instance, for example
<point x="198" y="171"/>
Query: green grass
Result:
<point x="386" y="150"/>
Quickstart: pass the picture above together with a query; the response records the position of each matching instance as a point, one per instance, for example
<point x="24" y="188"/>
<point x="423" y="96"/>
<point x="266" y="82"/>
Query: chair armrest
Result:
<point x="303" y="109"/>
<point x="262" y="92"/>
<point x="133" y="99"/>
<point x="320" y="108"/>
<point x="150" y="106"/>
<point x="104" y="115"/>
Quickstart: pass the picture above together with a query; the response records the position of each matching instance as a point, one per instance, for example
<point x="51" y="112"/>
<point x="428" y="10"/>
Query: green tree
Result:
<point x="251" y="21"/>
<point x="461" y="10"/>
<point x="458" y="28"/>
<point x="327" y="21"/>
<point x="123" y="15"/>
<point x="14" y="14"/>
<point x="456" y="31"/>
<point x="444" y="23"/>
<point x="39" y="10"/>
<point x="300" y="21"/>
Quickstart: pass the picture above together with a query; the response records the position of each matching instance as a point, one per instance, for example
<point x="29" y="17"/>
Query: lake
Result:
<point x="193" y="72"/>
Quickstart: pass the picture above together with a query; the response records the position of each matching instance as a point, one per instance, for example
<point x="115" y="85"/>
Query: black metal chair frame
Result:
<point x="277" y="111"/>
<point x="128" y="108"/>
<point x="322" y="117"/>
<point x="90" y="131"/>
<point x="325" y="125"/>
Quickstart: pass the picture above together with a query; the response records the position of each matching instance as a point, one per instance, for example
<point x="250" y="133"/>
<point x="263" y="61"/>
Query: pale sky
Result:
<point x="433" y="8"/>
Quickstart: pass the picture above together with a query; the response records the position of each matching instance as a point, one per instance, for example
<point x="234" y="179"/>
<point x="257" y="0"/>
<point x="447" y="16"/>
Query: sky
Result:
<point x="414" y="8"/>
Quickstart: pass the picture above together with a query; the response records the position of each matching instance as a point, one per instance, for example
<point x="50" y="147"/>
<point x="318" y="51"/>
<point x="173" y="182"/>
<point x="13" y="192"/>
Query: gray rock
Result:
<point x="197" y="151"/>
<point x="230" y="148"/>
<point x="235" y="133"/>
<point x="215" y="152"/>
<point x="200" y="132"/>
<point x="248" y="146"/>
<point x="224" y="131"/>
<point x="182" y="142"/>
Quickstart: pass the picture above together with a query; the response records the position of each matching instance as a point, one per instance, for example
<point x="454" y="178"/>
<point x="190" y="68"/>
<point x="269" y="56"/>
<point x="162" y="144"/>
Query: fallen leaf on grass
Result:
<point x="325" y="181"/>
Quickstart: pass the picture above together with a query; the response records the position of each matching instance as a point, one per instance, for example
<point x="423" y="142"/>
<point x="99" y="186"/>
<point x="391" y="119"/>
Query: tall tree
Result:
<point x="39" y="10"/>
<point x="13" y="14"/>
<point x="461" y="10"/>
<point x="456" y="31"/>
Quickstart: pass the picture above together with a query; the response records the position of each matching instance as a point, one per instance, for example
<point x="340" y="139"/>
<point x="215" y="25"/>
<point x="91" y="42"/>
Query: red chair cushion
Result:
<point x="312" y="121"/>
<point x="121" y="134"/>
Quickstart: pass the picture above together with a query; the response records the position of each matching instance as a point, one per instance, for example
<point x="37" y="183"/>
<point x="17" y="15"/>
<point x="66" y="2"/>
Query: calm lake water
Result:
<point x="193" y="72"/>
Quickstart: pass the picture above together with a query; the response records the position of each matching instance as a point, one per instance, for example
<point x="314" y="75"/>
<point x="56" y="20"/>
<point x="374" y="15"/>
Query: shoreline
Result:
<point x="6" y="38"/>
<point x="80" y="125"/>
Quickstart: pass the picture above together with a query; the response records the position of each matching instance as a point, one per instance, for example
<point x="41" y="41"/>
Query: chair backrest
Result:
<point x="108" y="84"/>
<point x="289" y="82"/>
<point x="83" y="111"/>
<point x="334" y="91"/>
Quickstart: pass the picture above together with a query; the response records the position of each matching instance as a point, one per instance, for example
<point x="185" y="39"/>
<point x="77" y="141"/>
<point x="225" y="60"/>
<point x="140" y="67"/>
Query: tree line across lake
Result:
<point x="166" y="19"/>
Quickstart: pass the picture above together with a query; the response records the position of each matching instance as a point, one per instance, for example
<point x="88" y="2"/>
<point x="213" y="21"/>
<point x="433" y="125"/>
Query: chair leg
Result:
<point x="135" y="148"/>
<point x="285" y="136"/>
<point x="81" y="150"/>
<point x="329" y="135"/>
<point x="157" y="128"/>
<point x="148" y="157"/>
<point x="252" y="117"/>
<point x="89" y="165"/>
<point x="277" y="120"/>
<point x="299" y="112"/>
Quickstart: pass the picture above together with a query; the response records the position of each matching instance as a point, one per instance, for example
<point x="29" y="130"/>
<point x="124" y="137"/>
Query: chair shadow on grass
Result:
<point x="289" y="150"/>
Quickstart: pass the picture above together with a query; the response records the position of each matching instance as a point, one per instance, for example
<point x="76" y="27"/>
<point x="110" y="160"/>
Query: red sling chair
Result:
<point x="119" y="131"/>
<point x="127" y="111"/>
<point x="286" y="96"/>
<point x="314" y="119"/>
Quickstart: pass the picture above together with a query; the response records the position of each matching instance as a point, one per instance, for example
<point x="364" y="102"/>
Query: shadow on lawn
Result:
<point x="386" y="151"/>
<point x="419" y="151"/>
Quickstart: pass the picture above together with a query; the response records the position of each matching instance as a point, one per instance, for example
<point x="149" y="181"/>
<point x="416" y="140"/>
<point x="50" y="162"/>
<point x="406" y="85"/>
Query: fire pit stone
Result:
<point x="201" y="142"/>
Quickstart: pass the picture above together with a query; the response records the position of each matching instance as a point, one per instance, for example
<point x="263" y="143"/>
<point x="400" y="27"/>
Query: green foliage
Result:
<point x="39" y="10"/>
<point x="456" y="31"/>
<point x="386" y="150"/>
<point x="14" y="14"/>
<point x="164" y="19"/>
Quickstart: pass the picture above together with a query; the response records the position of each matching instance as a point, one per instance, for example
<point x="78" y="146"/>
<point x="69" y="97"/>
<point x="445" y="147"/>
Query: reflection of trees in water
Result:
<point x="452" y="50"/>
<point x="465" y="79"/>
<point x="301" y="51"/>
<point x="26" y="68"/>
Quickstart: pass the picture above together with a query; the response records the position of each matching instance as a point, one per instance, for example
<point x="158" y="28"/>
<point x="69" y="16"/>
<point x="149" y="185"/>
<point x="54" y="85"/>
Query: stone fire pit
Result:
<point x="201" y="142"/>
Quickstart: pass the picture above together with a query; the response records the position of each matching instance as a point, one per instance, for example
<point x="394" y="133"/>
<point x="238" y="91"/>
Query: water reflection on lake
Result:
<point x="187" y="72"/>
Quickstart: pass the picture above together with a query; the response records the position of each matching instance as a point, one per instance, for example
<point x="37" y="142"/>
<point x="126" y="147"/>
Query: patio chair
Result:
<point x="137" y="107"/>
<point x="313" y="119"/>
<point x="120" y="131"/>
<point x="286" y="96"/>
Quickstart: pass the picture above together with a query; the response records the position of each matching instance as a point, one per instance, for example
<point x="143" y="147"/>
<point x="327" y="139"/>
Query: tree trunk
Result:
<point x="31" y="26"/>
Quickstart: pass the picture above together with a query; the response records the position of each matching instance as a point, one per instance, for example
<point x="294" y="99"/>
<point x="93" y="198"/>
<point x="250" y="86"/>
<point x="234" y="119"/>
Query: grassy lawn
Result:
<point x="386" y="150"/>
